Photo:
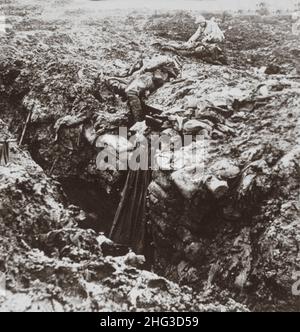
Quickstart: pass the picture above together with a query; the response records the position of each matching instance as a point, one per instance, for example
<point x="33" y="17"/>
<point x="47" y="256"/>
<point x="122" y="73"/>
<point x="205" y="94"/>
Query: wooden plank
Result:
<point x="4" y="153"/>
<point x="8" y="141"/>
<point x="26" y="125"/>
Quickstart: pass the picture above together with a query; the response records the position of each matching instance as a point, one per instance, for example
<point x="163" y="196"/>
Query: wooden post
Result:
<point x="2" y="153"/>
<point x="8" y="141"/>
<point x="4" y="150"/>
<point x="53" y="166"/>
<point x="26" y="125"/>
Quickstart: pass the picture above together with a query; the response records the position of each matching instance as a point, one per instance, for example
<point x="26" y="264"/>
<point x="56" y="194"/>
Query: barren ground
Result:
<point x="235" y="254"/>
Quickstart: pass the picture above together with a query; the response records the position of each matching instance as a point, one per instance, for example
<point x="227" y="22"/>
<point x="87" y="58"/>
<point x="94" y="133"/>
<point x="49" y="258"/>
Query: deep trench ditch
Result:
<point x="82" y="190"/>
<point x="199" y="222"/>
<point x="85" y="191"/>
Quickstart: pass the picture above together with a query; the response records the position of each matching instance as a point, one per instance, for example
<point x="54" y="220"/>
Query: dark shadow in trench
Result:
<point x="101" y="209"/>
<point x="99" y="206"/>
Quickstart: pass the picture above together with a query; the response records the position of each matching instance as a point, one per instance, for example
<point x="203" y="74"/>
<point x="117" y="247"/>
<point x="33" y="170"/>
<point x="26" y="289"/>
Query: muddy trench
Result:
<point x="181" y="232"/>
<point x="244" y="243"/>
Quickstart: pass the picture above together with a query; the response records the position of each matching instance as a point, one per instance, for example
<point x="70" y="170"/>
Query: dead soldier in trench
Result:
<point x="152" y="76"/>
<point x="208" y="30"/>
<point x="204" y="43"/>
<point x="129" y="226"/>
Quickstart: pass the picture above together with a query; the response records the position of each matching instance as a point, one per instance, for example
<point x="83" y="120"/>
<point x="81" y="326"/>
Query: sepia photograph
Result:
<point x="149" y="158"/>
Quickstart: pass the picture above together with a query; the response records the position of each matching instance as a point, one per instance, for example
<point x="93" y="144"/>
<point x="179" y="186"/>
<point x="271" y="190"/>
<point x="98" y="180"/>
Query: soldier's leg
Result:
<point x="135" y="106"/>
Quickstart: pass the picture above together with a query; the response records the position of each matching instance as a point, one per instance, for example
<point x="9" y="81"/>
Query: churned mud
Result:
<point x="237" y="252"/>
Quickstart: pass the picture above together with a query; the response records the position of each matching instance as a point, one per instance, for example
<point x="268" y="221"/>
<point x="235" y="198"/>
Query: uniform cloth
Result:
<point x="129" y="226"/>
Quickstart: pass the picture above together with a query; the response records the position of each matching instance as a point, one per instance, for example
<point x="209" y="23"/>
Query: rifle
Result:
<point x="152" y="109"/>
<point x="153" y="118"/>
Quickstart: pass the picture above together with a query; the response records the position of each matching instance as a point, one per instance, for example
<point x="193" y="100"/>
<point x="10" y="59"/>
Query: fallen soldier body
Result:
<point x="296" y="24"/>
<point x="204" y="44"/>
<point x="129" y="226"/>
<point x="145" y="81"/>
<point x="208" y="32"/>
<point x="210" y="53"/>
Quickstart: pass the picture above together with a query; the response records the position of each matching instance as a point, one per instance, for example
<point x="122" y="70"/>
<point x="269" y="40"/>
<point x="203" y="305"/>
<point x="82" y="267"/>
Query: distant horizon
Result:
<point x="194" y="4"/>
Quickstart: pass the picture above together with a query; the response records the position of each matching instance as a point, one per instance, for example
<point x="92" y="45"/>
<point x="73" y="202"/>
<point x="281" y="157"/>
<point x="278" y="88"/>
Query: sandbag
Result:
<point x="194" y="126"/>
<point x="216" y="187"/>
<point x="183" y="179"/>
<point x="118" y="143"/>
<point x="188" y="156"/>
<point x="225" y="169"/>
